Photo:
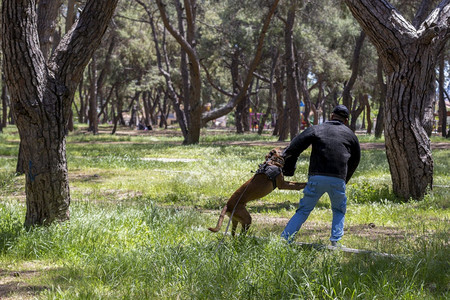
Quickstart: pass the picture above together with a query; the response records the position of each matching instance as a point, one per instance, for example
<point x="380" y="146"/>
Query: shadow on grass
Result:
<point x="14" y="285"/>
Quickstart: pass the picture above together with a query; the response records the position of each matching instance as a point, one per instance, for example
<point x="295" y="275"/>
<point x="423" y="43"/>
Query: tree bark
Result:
<point x="42" y="94"/>
<point x="409" y="58"/>
<point x="47" y="19"/>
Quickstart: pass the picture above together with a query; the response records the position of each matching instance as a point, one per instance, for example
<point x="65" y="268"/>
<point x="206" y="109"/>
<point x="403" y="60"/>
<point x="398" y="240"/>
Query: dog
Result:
<point x="268" y="177"/>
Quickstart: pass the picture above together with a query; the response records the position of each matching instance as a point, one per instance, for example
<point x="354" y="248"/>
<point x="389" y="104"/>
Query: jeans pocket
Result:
<point x="340" y="186"/>
<point x="310" y="188"/>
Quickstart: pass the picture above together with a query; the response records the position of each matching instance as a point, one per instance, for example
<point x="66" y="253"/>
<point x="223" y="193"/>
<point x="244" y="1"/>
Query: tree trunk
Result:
<point x="278" y="86"/>
<point x="4" y="102"/>
<point x="237" y="85"/>
<point x="147" y="110"/>
<point x="70" y="19"/>
<point x="407" y="143"/>
<point x="47" y="21"/>
<point x="379" y="127"/>
<point x="171" y="93"/>
<point x="369" y="118"/>
<point x="42" y="94"/>
<point x="409" y="58"/>
<point x="355" y="112"/>
<point x="184" y="69"/>
<point x="442" y="109"/>
<point x="320" y="99"/>
<point x="275" y="57"/>
<point x="70" y="16"/>
<point x="93" y="119"/>
<point x="188" y="45"/>
<point x="291" y="74"/>
<point x="306" y="96"/>
<point x="346" y="96"/>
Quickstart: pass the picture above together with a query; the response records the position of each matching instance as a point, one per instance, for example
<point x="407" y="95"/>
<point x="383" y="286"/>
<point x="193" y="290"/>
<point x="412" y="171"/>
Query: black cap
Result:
<point x="342" y="111"/>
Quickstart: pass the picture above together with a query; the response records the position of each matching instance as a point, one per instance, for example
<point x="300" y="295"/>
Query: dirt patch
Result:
<point x="309" y="228"/>
<point x="17" y="284"/>
<point x="321" y="230"/>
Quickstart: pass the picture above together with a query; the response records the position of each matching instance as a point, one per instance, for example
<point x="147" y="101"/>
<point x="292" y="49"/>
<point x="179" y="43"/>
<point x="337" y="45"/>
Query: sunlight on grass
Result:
<point x="141" y="206"/>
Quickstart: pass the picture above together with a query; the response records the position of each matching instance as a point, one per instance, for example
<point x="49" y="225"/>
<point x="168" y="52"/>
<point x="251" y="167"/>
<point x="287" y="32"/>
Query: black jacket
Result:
<point x="335" y="150"/>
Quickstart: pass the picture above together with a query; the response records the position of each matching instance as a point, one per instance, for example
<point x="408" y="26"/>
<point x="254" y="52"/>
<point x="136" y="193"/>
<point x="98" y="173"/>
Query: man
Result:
<point x="334" y="158"/>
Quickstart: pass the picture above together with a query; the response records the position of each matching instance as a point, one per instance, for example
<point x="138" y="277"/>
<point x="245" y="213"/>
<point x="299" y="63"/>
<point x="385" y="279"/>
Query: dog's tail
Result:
<point x="220" y="221"/>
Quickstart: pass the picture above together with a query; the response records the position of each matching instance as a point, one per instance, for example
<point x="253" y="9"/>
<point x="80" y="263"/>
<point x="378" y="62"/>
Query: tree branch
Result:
<point x="211" y="82"/>
<point x="83" y="39"/>
<point x="243" y="91"/>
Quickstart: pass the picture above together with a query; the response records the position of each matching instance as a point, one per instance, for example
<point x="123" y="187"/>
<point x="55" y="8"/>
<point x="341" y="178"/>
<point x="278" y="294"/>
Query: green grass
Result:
<point x="141" y="204"/>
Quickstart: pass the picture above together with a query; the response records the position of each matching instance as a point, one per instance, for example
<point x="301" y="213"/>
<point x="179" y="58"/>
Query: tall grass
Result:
<point x="140" y="207"/>
<point x="148" y="252"/>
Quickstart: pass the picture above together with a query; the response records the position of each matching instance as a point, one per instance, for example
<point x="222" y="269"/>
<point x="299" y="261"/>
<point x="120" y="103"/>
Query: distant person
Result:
<point x="334" y="158"/>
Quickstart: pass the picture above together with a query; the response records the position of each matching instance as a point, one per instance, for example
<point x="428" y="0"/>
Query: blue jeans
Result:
<point x="318" y="185"/>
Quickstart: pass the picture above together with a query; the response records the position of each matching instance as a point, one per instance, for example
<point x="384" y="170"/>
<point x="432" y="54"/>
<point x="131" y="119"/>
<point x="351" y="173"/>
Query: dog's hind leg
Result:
<point x="245" y="228"/>
<point x="243" y="216"/>
<point x="234" y="225"/>
<point x="246" y="220"/>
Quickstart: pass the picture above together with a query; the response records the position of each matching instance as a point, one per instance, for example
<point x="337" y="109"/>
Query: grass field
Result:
<point x="141" y="203"/>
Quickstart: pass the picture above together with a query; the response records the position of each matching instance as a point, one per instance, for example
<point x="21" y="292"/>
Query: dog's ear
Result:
<point x="279" y="151"/>
<point x="270" y="154"/>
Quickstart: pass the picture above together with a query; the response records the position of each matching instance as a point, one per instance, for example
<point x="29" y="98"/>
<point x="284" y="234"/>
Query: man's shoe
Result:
<point x="336" y="244"/>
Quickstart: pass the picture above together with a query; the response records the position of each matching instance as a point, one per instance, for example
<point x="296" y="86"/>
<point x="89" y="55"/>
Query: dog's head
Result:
<point x="275" y="157"/>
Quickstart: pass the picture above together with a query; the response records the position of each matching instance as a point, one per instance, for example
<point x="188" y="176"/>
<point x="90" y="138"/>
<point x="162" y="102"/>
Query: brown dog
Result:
<point x="268" y="177"/>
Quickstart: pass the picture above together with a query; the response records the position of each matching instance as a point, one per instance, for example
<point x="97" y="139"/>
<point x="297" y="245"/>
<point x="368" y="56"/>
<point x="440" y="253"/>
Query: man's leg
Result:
<point x="338" y="206"/>
<point x="311" y="194"/>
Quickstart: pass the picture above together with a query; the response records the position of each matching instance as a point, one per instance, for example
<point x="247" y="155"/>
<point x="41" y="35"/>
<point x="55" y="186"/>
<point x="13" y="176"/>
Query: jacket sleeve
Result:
<point x="355" y="157"/>
<point x="295" y="148"/>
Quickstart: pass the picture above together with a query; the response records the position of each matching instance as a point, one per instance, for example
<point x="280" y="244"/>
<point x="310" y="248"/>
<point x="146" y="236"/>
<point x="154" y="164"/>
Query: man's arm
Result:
<point x="295" y="148"/>
<point x="353" y="162"/>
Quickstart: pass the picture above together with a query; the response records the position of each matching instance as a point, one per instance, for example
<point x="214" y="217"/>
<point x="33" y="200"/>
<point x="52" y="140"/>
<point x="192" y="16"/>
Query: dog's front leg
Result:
<point x="289" y="185"/>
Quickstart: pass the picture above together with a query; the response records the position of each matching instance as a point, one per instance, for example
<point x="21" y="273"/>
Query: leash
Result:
<point x="261" y="166"/>
<point x="234" y="208"/>
<point x="226" y="230"/>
